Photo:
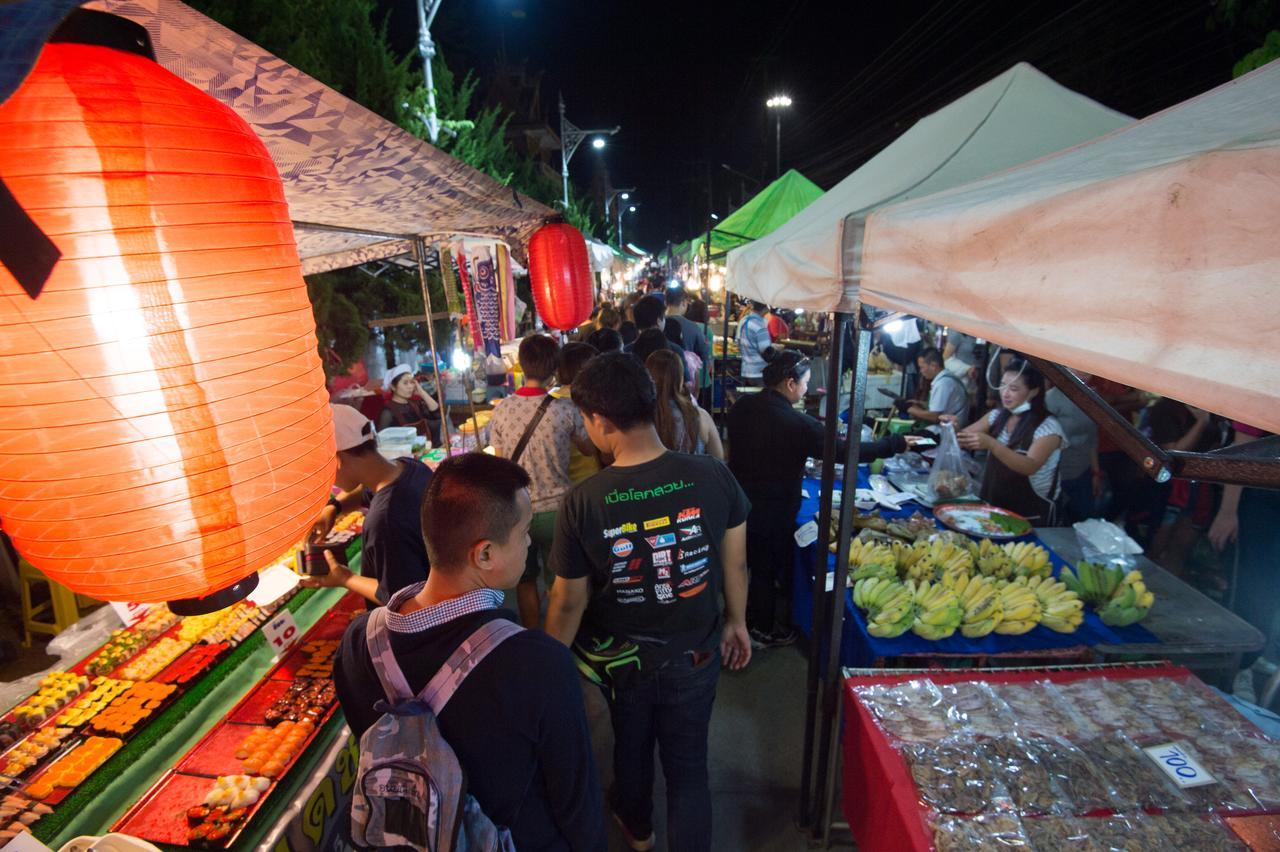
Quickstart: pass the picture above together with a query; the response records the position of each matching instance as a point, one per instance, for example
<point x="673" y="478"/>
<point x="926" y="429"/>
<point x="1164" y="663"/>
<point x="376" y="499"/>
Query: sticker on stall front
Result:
<point x="807" y="534"/>
<point x="281" y="632"/>
<point x="1180" y="766"/>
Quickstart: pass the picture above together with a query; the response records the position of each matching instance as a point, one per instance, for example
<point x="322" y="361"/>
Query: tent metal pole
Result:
<point x="829" y="741"/>
<point x="724" y="355"/>
<point x="420" y="251"/>
<point x="831" y="424"/>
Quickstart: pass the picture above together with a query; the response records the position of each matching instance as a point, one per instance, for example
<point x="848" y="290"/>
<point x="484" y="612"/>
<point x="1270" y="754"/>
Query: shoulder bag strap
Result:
<point x="462" y="662"/>
<point x="533" y="424"/>
<point x="378" y="635"/>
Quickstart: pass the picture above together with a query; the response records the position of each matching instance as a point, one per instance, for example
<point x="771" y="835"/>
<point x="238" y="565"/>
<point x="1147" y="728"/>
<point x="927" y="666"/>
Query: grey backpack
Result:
<point x="410" y="791"/>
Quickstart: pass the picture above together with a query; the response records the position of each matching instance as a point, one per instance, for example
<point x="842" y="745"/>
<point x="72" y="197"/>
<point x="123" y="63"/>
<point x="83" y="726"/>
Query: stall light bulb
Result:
<point x="893" y="327"/>
<point x="460" y="360"/>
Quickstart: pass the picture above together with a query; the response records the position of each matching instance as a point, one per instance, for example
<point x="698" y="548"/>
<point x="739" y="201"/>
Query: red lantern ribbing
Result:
<point x="560" y="276"/>
<point x="164" y="430"/>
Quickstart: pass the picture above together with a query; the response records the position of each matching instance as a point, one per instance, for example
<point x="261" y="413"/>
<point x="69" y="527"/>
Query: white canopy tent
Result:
<point x="1150" y="256"/>
<point x="1019" y="116"/>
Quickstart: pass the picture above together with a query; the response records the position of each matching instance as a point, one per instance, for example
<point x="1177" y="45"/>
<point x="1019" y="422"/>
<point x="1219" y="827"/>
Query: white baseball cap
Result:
<point x="350" y="427"/>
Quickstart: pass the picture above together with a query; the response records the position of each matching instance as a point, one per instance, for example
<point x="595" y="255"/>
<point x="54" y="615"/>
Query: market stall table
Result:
<point x="1178" y="610"/>
<point x="1190" y="628"/>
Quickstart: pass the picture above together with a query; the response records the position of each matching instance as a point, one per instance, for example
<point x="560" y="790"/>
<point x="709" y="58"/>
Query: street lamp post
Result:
<point x="426" y="16"/>
<point x="628" y="209"/>
<point x="624" y="194"/>
<point x="778" y="103"/>
<point x="571" y="137"/>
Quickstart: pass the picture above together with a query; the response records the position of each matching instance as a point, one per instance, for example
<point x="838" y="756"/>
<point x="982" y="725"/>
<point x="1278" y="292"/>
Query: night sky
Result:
<point x="688" y="80"/>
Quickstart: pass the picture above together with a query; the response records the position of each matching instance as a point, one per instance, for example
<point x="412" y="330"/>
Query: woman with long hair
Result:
<point x="1024" y="444"/>
<point x="682" y="425"/>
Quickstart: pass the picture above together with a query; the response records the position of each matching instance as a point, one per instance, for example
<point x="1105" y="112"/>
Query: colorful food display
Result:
<point x="320" y="655"/>
<point x="104" y="691"/>
<point x="27" y="754"/>
<point x="70" y="770"/>
<point x="119" y="649"/>
<point x="154" y="659"/>
<point x="195" y="662"/>
<point x="19" y="813"/>
<point x="133" y="709"/>
<point x="156" y="622"/>
<point x="56" y="691"/>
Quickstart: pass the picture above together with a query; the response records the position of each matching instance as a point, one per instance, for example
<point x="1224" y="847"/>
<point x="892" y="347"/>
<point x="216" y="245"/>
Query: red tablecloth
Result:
<point x="878" y="797"/>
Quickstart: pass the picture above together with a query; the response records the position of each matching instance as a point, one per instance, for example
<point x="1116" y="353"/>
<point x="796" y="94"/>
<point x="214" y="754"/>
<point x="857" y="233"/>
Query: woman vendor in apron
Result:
<point x="1023" y="443"/>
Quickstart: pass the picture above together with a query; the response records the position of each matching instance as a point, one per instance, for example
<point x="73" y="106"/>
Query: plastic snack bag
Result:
<point x="949" y="478"/>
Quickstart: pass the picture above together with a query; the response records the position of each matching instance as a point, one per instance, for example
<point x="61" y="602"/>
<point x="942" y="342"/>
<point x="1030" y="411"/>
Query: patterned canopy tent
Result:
<point x="357" y="185"/>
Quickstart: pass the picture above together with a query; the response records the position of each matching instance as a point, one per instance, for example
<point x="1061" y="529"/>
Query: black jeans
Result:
<point x="672" y="708"/>
<point x="771" y="527"/>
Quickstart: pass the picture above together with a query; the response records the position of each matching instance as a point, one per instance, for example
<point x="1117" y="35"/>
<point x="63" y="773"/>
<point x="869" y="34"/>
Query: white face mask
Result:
<point x="1021" y="409"/>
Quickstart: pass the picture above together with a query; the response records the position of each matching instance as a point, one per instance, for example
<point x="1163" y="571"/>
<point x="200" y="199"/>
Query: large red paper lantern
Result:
<point x="164" y="425"/>
<point x="560" y="276"/>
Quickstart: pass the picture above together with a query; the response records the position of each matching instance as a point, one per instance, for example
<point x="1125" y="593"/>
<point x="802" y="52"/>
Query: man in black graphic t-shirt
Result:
<point x="643" y="551"/>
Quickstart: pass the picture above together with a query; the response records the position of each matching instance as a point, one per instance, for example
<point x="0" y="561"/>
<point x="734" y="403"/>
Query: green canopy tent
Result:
<point x="768" y="210"/>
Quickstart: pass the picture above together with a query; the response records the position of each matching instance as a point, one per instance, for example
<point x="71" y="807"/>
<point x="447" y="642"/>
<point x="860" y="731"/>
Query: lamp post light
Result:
<point x="624" y="194"/>
<point x="778" y="103"/>
<point x="571" y="136"/>
<point x="426" y="16"/>
<point x="629" y="209"/>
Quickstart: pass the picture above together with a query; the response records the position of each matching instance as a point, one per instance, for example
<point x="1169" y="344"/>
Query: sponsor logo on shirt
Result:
<point x="628" y="581"/>
<point x="634" y="564"/>
<point x="617" y="531"/>
<point x="632" y="495"/>
<point x="664" y="573"/>
<point x="690" y="533"/>
<point x="622" y="548"/>
<point x="689" y="582"/>
<point x="694" y="592"/>
<point x="690" y="514"/>
<point x="619" y="567"/>
<point x="659" y="541"/>
<point x="662" y="557"/>
<point x="636" y="600"/>
<point x="629" y="593"/>
<point x="664" y="593"/>
<point x="657" y="523"/>
<point x="694" y="567"/>
<point x="697" y="551"/>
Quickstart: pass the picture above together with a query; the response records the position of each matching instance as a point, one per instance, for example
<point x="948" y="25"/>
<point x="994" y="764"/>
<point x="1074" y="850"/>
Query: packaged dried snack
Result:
<point x="973" y="708"/>
<point x="1059" y="834"/>
<point x="1015" y="766"/>
<point x="1225" y="793"/>
<point x="952" y="777"/>
<point x="1135" y="781"/>
<point x="1190" y="832"/>
<point x="1037" y="707"/>
<point x="1089" y="700"/>
<point x="1134" y="832"/>
<point x="910" y="711"/>
<point x="1083" y="788"/>
<point x="986" y="833"/>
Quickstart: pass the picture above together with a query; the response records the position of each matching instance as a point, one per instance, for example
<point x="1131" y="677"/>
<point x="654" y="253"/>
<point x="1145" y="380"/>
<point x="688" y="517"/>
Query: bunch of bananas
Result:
<point x="1029" y="559"/>
<point x="938" y="610"/>
<point x="866" y="552"/>
<point x="1020" y="608"/>
<point x="1060" y="608"/>
<point x="980" y="599"/>
<point x="932" y="560"/>
<point x="1120" y="598"/>
<point x="990" y="559"/>
<point x="889" y="605"/>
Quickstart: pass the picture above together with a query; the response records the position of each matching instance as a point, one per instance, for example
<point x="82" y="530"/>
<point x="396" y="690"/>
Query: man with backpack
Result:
<point x="506" y="722"/>
<point x="643" y="551"/>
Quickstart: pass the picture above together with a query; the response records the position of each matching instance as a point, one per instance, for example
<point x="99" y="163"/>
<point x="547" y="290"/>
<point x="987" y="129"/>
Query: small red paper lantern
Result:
<point x="164" y="427"/>
<point x="560" y="276"/>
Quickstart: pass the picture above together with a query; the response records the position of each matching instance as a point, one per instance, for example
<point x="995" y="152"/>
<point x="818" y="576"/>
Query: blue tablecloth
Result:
<point x="860" y="649"/>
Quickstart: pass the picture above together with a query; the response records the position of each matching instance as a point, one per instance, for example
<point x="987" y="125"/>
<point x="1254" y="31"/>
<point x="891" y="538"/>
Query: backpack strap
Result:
<point x="378" y="635"/>
<point x="462" y="662"/>
<point x="528" y="430"/>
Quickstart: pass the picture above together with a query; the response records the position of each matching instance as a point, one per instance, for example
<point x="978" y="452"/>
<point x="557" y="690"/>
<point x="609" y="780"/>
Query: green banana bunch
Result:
<point x="1119" y="598"/>
<point x="872" y="569"/>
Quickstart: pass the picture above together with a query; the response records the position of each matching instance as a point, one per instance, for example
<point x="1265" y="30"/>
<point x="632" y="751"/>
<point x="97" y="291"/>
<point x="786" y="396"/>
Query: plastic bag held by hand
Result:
<point x="949" y="478"/>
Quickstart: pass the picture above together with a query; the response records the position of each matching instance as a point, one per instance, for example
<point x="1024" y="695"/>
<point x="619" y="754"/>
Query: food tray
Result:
<point x="161" y="815"/>
<point x="982" y="519"/>
<point x="60" y="793"/>
<point x="193" y="664"/>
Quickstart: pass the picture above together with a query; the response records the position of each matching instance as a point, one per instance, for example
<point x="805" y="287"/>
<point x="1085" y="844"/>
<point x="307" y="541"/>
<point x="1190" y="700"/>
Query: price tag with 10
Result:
<point x="281" y="632"/>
